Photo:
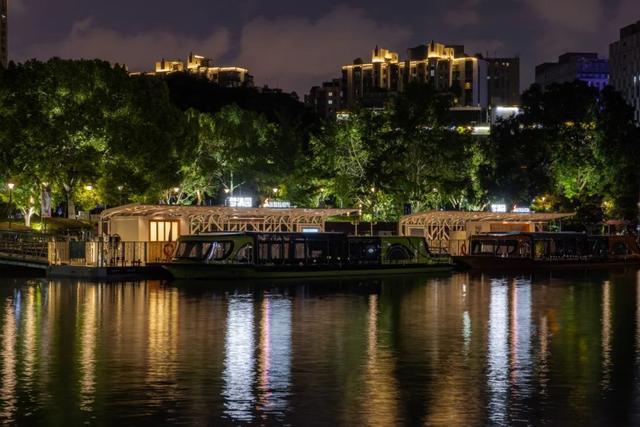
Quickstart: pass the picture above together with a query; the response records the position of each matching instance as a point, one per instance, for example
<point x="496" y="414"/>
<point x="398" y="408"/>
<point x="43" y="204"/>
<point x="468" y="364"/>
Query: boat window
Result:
<point x="318" y="249"/>
<point x="364" y="250"/>
<point x="220" y="250"/>
<point x="525" y="249"/>
<point x="484" y="247"/>
<point x="506" y="248"/>
<point x="620" y="248"/>
<point x="398" y="252"/>
<point x="299" y="251"/>
<point x="245" y="254"/>
<point x="542" y="248"/>
<point x="193" y="250"/>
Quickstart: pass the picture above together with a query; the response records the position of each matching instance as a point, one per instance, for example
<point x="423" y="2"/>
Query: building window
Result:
<point x="164" y="231"/>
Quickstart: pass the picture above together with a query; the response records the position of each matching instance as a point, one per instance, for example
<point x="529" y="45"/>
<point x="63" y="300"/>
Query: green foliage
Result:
<point x="85" y="122"/>
<point x="184" y="140"/>
<point x="574" y="145"/>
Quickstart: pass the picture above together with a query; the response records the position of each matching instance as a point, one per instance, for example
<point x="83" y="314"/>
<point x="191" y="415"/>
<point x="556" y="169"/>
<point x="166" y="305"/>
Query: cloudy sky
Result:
<point x="294" y="44"/>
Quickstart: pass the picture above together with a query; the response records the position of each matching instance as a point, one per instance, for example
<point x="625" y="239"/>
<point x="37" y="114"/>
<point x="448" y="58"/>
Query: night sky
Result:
<point x="295" y="44"/>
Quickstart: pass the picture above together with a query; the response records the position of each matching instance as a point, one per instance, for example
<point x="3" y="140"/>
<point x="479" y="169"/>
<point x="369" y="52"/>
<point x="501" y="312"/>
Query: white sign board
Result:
<point x="520" y="209"/>
<point x="240" y="202"/>
<point x="499" y="208"/>
<point x="278" y="204"/>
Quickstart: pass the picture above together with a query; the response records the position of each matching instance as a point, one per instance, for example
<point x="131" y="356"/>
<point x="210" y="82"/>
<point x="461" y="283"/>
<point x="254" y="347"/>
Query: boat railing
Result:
<point x="100" y="253"/>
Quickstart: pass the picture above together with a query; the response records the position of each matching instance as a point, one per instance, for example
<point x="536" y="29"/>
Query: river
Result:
<point x="470" y="349"/>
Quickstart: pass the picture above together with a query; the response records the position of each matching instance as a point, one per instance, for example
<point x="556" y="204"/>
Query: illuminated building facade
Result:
<point x="199" y="65"/>
<point x="571" y="66"/>
<point x="503" y="81"/>
<point x="4" y="35"/>
<point x="325" y="100"/>
<point x="625" y="66"/>
<point x="447" y="68"/>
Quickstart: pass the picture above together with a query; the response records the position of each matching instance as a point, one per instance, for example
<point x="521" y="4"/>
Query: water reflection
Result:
<point x="275" y="355"/>
<point x="606" y="334"/>
<point x="498" y="354"/>
<point x="9" y="380"/>
<point x="380" y="388"/>
<point x="239" y="362"/>
<point x="87" y="318"/>
<point x="463" y="350"/>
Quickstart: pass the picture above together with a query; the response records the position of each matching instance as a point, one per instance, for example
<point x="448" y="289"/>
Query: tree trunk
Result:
<point x="71" y="207"/>
<point x="28" y="214"/>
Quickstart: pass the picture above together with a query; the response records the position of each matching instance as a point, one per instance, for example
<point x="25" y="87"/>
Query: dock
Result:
<point x="93" y="259"/>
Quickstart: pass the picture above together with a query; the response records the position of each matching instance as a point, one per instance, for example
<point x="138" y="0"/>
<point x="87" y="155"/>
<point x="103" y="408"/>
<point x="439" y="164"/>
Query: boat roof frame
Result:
<point x="207" y="219"/>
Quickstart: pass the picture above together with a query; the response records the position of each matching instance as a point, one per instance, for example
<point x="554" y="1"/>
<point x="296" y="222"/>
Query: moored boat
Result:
<point x="287" y="255"/>
<point x="548" y="251"/>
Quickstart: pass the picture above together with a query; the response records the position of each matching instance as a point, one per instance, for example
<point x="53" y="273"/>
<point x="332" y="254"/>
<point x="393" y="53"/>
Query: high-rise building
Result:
<point x="4" y="33"/>
<point x="369" y="84"/>
<point x="624" y="55"/>
<point x="571" y="66"/>
<point x="196" y="64"/>
<point x="325" y="100"/>
<point x="447" y="68"/>
<point x="503" y="80"/>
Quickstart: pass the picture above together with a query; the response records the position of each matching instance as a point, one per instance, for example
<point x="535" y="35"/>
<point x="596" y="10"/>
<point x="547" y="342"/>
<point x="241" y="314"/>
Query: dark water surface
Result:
<point x="463" y="350"/>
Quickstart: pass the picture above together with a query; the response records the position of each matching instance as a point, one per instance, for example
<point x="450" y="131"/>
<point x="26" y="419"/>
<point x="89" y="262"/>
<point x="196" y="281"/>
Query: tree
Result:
<point x="432" y="164"/>
<point x="81" y="123"/>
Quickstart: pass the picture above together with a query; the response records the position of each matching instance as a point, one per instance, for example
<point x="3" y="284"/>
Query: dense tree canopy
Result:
<point x="77" y="124"/>
<point x="96" y="135"/>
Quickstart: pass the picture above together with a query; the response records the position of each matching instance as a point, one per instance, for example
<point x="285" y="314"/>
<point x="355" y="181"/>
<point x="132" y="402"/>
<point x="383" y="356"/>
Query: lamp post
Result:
<point x="120" y="188"/>
<point x="373" y="210"/>
<point x="10" y="185"/>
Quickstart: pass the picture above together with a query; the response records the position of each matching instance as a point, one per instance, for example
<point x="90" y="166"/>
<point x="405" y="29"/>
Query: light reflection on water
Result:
<point x="470" y="349"/>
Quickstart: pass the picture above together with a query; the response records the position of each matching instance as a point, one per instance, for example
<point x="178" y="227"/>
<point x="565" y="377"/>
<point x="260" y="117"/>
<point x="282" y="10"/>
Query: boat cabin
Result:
<point x="301" y="249"/>
<point x="550" y="246"/>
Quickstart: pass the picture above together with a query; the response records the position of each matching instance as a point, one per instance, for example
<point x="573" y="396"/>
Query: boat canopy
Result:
<point x="207" y="219"/>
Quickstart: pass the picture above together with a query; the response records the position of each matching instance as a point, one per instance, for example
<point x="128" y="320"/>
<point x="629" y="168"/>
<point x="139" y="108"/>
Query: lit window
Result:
<point x="164" y="231"/>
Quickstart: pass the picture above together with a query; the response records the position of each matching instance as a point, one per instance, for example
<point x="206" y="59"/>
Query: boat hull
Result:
<point x="494" y="263"/>
<point x="207" y="271"/>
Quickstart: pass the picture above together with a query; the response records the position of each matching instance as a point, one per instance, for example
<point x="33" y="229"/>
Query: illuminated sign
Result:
<point x="277" y="204"/>
<point x="240" y="202"/>
<point x="499" y="208"/>
<point x="520" y="209"/>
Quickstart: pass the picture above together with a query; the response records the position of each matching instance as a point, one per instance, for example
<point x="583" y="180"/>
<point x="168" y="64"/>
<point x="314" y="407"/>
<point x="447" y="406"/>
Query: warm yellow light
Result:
<point x="176" y="189"/>
<point x="275" y="190"/>
<point x="88" y="187"/>
<point x="120" y="187"/>
<point x="226" y="190"/>
<point x="11" y="185"/>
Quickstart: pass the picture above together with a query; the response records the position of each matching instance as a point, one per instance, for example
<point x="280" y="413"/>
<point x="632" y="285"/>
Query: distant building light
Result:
<point x="481" y="130"/>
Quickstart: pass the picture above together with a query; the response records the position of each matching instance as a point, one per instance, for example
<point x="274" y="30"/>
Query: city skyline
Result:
<point x="294" y="46"/>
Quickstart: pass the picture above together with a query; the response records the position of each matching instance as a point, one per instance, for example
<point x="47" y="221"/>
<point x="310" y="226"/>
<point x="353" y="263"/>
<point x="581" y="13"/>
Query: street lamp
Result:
<point x="275" y="190"/>
<point x="10" y="185"/>
<point x="176" y="191"/>
<point x="88" y="187"/>
<point x="120" y="188"/>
